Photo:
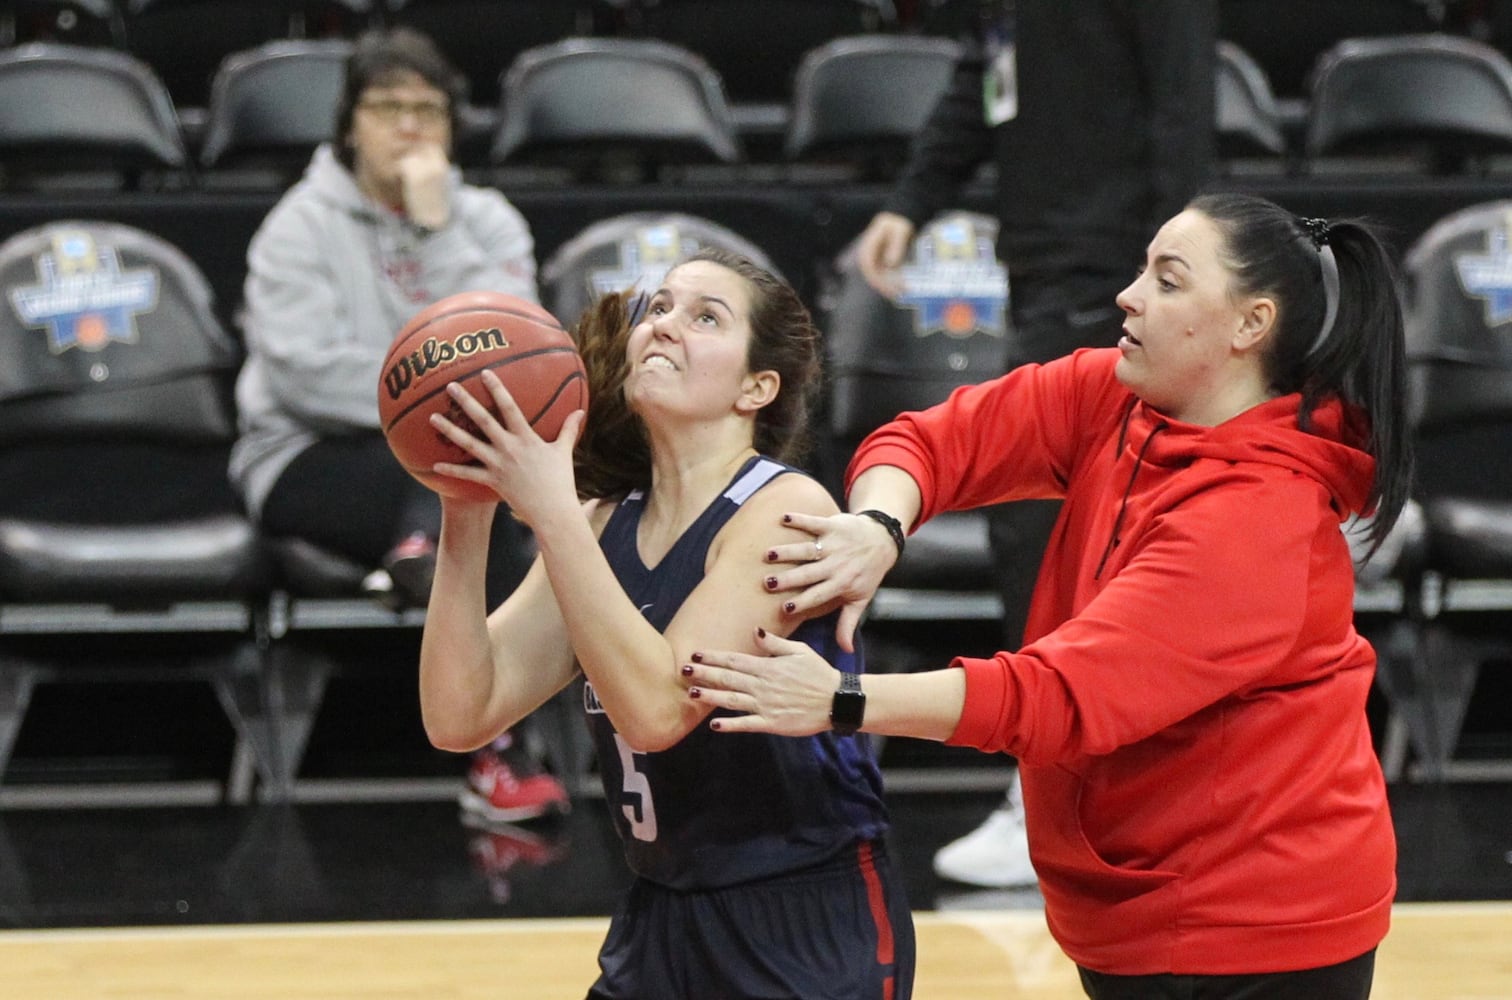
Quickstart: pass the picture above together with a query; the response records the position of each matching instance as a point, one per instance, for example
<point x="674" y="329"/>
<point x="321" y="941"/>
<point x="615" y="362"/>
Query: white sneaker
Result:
<point x="995" y="855"/>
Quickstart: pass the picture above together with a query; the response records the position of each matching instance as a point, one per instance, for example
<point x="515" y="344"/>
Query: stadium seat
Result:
<point x="1249" y="122"/>
<point x="948" y="328"/>
<point x="1431" y="102"/>
<point x="77" y="115"/>
<point x="604" y="106"/>
<point x="1459" y="587"/>
<point x="272" y="105"/>
<point x="185" y="41"/>
<point x="861" y="100"/>
<point x="124" y="554"/>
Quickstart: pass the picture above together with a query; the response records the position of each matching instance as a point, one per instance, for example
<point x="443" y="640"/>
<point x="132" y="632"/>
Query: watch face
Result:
<point x="847" y="710"/>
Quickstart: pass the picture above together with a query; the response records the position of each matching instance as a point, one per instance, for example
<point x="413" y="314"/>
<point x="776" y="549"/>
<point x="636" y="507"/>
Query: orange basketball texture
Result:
<point x="455" y="340"/>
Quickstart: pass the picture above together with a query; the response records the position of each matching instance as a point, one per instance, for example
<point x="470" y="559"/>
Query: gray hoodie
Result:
<point x="332" y="276"/>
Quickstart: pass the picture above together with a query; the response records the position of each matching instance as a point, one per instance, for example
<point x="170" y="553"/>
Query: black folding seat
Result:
<point x="73" y="115"/>
<point x="124" y="553"/>
<point x="610" y="107"/>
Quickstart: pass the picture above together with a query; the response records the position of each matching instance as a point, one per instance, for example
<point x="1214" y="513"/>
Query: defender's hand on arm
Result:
<point x="846" y="561"/>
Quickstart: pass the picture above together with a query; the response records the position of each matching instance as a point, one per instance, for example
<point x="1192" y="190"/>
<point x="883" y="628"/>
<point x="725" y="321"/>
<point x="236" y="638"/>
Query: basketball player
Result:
<point x="760" y="863"/>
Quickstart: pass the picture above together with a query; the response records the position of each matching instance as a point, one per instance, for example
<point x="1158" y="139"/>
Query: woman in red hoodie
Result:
<point x="1206" y="812"/>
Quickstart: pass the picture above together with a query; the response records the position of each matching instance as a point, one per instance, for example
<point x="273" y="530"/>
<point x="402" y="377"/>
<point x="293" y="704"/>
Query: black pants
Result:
<point x="1053" y="315"/>
<point x="350" y="495"/>
<point x="1346" y="981"/>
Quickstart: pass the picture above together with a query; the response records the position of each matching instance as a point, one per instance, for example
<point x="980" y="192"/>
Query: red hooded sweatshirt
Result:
<point x="1201" y="791"/>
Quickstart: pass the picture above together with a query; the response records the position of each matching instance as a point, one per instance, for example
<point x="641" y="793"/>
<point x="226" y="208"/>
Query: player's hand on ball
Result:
<point x="534" y="476"/>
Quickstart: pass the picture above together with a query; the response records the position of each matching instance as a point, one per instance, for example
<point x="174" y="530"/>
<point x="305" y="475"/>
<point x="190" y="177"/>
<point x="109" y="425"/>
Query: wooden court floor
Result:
<point x="1436" y="951"/>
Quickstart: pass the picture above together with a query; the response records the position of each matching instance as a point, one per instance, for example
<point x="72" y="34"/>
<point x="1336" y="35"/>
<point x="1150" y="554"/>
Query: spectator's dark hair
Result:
<point x="1358" y="352"/>
<point x="378" y="58"/>
<point x="614" y="456"/>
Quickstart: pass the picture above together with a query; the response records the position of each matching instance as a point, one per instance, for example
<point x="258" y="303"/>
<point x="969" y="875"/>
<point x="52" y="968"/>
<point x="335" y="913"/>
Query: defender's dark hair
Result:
<point x="378" y="58"/>
<point x="1360" y="355"/>
<point x="614" y="456"/>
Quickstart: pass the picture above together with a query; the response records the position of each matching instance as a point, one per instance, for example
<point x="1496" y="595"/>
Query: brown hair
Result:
<point x="614" y="456"/>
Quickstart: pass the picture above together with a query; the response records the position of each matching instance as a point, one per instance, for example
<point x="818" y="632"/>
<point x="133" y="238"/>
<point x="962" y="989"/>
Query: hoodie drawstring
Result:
<point x="1123" y="504"/>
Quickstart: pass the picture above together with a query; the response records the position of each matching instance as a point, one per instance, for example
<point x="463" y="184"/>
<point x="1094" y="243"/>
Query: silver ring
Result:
<point x="818" y="550"/>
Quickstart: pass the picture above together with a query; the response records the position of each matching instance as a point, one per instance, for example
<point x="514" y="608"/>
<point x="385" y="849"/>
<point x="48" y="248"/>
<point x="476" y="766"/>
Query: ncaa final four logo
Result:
<point x="1488" y="275"/>
<point x="954" y="282"/>
<point x="644" y="259"/>
<point x="83" y="297"/>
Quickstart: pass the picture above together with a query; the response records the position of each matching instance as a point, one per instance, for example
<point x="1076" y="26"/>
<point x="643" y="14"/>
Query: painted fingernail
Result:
<point x="696" y="657"/>
<point x="787" y="519"/>
<point x="687" y="671"/>
<point x="760" y="632"/>
<point x="790" y="607"/>
<point x="771" y="583"/>
<point x="694" y="693"/>
<point x="771" y="556"/>
<point x="714" y="725"/>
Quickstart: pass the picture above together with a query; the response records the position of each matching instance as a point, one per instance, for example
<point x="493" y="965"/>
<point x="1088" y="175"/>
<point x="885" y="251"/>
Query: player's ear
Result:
<point x="757" y="390"/>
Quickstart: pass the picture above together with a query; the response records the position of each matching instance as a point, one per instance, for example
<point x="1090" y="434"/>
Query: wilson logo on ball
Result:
<point x="436" y="353"/>
<point x="453" y="342"/>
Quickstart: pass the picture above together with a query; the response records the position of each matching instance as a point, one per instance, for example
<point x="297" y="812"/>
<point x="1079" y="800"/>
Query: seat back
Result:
<point x="862" y="99"/>
<point x="272" y="105"/>
<point x="115" y="379"/>
<point x="71" y="109"/>
<point x="597" y="102"/>
<point x="1249" y="121"/>
<point x="634" y="250"/>
<point x="1459" y="329"/>
<point x="1431" y="98"/>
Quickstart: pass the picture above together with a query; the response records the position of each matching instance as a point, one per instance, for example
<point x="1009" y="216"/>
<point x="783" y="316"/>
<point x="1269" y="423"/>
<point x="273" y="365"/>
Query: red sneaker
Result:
<point x="508" y="786"/>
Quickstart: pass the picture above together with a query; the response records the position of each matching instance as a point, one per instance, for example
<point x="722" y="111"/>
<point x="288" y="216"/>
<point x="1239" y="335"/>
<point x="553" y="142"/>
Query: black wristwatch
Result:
<point x="849" y="707"/>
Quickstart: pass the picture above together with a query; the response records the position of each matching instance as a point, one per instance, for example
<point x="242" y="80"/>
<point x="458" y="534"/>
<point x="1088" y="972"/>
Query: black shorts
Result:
<point x="840" y="932"/>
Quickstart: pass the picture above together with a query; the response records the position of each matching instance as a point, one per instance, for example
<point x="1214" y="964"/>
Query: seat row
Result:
<point x="184" y="40"/>
<point x="597" y="109"/>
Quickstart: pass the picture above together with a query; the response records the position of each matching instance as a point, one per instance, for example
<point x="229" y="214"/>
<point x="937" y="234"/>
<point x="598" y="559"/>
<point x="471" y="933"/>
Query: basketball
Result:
<point x="456" y="340"/>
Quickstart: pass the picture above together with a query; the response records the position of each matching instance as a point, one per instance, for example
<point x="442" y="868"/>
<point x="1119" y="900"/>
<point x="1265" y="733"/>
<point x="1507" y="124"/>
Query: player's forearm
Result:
<point x="889" y="489"/>
<point x="924" y="706"/>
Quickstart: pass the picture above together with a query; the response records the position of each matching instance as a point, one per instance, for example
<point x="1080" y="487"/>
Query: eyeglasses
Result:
<point x="427" y="113"/>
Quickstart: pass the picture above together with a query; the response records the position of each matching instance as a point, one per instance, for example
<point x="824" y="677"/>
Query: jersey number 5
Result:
<point x="643" y="818"/>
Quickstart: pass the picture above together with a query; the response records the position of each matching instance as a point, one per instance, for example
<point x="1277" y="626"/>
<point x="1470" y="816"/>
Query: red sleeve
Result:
<point x="1012" y="438"/>
<point x="1227" y="590"/>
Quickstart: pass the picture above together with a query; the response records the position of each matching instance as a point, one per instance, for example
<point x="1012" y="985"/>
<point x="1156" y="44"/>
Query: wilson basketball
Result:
<point x="456" y="340"/>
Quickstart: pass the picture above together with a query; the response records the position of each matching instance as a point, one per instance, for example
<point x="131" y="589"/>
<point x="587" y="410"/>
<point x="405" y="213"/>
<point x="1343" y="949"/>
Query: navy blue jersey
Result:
<point x="720" y="809"/>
